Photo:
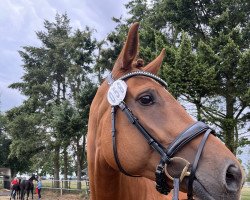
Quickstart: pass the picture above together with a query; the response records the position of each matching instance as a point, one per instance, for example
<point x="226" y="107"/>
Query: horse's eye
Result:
<point x="146" y="100"/>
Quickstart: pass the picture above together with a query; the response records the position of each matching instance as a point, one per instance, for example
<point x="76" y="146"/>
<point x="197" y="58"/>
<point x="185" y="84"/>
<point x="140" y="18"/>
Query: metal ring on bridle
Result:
<point x="184" y="172"/>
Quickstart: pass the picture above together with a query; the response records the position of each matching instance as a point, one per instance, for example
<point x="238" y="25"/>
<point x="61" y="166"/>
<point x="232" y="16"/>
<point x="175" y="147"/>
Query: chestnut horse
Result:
<point x="122" y="163"/>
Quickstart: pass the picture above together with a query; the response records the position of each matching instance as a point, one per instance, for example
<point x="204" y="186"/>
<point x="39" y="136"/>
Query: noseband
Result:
<point x="198" y="128"/>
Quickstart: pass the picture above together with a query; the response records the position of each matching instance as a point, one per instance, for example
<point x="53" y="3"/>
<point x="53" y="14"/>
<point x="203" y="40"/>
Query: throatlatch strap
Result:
<point x="113" y="111"/>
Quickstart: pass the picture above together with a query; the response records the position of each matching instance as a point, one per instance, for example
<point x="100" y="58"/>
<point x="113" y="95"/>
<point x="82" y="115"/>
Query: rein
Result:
<point x="116" y="95"/>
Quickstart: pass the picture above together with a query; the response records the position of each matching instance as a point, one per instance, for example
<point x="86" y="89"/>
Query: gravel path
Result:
<point x="4" y="195"/>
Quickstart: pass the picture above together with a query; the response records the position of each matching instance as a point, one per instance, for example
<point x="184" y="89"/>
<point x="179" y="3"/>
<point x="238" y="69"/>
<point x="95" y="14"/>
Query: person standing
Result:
<point x="39" y="187"/>
<point x="14" y="187"/>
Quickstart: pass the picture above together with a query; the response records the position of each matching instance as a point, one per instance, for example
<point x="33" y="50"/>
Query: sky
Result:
<point x="20" y="19"/>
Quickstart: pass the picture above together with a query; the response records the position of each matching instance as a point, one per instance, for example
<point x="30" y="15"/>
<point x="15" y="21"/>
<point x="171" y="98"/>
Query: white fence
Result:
<point x="63" y="186"/>
<point x="247" y="184"/>
<point x="66" y="185"/>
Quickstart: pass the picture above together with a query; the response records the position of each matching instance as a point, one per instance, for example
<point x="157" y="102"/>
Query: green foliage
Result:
<point x="56" y="75"/>
<point x="14" y="163"/>
<point x="4" y="142"/>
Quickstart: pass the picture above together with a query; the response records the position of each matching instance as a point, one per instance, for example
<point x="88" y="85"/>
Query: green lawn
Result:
<point x="245" y="194"/>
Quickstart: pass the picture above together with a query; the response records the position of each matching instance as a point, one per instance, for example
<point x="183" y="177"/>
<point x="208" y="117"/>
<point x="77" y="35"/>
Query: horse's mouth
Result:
<point x="200" y="192"/>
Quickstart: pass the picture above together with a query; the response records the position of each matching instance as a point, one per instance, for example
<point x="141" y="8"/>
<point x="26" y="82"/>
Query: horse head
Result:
<point x="148" y="129"/>
<point x="33" y="177"/>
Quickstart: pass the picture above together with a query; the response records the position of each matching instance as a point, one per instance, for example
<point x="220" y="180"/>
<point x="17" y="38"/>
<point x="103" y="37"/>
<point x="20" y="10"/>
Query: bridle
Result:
<point x="166" y="154"/>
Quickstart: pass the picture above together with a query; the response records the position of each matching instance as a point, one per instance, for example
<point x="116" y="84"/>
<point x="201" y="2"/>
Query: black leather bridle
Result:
<point x="166" y="154"/>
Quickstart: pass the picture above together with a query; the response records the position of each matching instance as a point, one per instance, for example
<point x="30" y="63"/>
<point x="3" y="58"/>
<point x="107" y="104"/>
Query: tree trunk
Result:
<point x="198" y="107"/>
<point x="57" y="166"/>
<point x="78" y="163"/>
<point x="58" y="93"/>
<point x="84" y="155"/>
<point x="229" y="124"/>
<point x="13" y="173"/>
<point x="65" y="168"/>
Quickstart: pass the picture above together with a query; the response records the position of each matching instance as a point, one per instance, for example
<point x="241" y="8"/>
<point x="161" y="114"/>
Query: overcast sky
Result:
<point x="19" y="19"/>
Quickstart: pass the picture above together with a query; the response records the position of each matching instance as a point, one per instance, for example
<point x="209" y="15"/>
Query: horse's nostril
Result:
<point x="233" y="178"/>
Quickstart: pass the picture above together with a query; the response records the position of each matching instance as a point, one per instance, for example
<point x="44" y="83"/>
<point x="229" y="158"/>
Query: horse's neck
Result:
<point x="107" y="183"/>
<point x="110" y="184"/>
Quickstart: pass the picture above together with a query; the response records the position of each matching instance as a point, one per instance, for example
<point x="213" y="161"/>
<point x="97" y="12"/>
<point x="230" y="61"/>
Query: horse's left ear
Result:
<point x="154" y="66"/>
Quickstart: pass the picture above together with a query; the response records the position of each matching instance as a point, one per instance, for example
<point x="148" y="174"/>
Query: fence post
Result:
<point x="61" y="187"/>
<point x="87" y="187"/>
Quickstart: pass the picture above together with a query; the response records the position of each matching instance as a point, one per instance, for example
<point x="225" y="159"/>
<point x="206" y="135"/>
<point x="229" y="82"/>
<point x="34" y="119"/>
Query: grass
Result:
<point x="245" y="194"/>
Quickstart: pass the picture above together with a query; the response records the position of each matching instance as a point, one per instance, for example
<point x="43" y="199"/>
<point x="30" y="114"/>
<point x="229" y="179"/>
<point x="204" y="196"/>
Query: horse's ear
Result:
<point x="129" y="50"/>
<point x="155" y="65"/>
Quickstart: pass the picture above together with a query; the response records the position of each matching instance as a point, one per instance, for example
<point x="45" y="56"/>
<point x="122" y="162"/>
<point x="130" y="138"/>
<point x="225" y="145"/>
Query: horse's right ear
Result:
<point x="154" y="66"/>
<point x="129" y="50"/>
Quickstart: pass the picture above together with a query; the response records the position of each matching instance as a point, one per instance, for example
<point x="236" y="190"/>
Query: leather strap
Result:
<point x="186" y="136"/>
<point x="151" y="141"/>
<point x="113" y="112"/>
<point x="161" y="179"/>
<point x="195" y="164"/>
<point x="176" y="189"/>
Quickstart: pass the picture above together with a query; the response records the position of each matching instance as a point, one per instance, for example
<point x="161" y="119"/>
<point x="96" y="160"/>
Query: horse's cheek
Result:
<point x="105" y="145"/>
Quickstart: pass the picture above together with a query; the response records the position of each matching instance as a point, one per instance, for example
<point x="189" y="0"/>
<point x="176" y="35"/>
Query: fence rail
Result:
<point x="247" y="184"/>
<point x="63" y="185"/>
<point x="66" y="185"/>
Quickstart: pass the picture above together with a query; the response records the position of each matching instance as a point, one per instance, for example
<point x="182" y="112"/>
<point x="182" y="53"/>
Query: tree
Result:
<point x="79" y="125"/>
<point x="188" y="76"/>
<point x="224" y="28"/>
<point x="26" y="137"/>
<point x="55" y="74"/>
<point x="13" y="162"/>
